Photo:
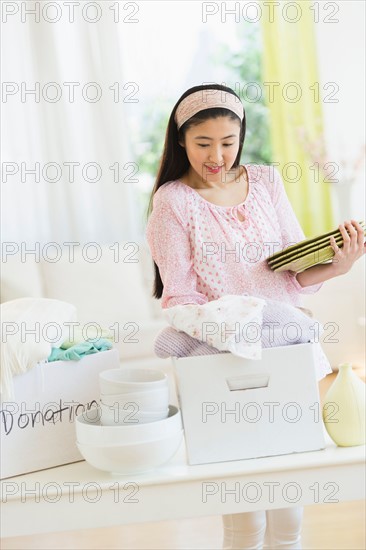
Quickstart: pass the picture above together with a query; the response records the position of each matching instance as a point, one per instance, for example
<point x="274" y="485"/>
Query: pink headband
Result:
<point x="207" y="99"/>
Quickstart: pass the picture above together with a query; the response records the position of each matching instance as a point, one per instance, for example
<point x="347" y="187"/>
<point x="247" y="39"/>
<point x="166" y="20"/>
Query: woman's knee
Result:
<point x="244" y="530"/>
<point x="284" y="527"/>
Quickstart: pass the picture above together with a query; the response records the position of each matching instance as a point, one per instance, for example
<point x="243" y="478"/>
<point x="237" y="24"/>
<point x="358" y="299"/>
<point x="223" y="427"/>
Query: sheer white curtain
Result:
<point x="65" y="132"/>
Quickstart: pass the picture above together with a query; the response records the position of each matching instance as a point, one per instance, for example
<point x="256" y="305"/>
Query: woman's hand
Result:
<point x="352" y="249"/>
<point x="343" y="259"/>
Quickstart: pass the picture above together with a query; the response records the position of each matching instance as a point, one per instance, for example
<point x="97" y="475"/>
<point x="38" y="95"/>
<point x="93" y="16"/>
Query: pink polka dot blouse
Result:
<point x="204" y="251"/>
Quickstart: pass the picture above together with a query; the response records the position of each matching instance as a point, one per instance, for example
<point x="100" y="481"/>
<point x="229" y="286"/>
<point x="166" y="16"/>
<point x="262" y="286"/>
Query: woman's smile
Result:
<point x="214" y="170"/>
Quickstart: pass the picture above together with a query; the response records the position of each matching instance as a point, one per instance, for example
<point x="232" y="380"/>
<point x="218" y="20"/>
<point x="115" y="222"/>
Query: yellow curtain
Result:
<point x="290" y="60"/>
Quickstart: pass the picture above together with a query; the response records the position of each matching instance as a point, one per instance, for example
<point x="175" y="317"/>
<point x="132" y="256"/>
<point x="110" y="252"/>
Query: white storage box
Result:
<point x="38" y="426"/>
<point x="236" y="408"/>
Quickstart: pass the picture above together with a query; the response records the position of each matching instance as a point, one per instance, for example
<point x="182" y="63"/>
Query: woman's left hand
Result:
<point x="352" y="249"/>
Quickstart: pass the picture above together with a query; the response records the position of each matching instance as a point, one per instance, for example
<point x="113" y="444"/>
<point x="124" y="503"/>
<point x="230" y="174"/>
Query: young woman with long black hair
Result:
<point x="203" y="194"/>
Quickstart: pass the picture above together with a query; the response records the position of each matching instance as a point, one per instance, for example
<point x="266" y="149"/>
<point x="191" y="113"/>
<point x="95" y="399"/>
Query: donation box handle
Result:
<point x="248" y="381"/>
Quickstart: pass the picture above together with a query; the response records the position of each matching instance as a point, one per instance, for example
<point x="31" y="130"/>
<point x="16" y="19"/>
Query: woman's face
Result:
<point x="212" y="144"/>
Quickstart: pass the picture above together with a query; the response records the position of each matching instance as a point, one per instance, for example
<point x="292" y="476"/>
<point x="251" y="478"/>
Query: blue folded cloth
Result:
<point x="80" y="350"/>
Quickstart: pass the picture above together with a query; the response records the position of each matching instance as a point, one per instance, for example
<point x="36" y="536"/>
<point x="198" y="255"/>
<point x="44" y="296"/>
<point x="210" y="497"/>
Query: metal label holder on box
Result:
<point x="235" y="408"/>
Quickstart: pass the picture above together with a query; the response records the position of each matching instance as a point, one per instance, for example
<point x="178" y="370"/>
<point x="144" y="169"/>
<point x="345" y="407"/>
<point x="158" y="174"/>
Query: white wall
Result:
<point x="341" y="51"/>
<point x="341" y="57"/>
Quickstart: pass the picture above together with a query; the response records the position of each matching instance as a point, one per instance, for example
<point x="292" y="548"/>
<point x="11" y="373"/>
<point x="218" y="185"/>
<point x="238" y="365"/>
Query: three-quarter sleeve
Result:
<point x="291" y="231"/>
<point x="169" y="242"/>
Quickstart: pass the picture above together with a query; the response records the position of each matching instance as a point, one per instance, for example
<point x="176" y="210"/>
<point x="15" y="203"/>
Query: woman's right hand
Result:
<point x="353" y="246"/>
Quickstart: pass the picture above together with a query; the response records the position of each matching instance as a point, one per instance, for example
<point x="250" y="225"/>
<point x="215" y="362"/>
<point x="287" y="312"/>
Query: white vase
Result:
<point x="344" y="408"/>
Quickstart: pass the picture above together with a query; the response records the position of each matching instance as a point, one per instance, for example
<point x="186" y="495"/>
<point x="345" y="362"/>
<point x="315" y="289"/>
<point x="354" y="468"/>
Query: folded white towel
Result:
<point x="231" y="323"/>
<point x="29" y="329"/>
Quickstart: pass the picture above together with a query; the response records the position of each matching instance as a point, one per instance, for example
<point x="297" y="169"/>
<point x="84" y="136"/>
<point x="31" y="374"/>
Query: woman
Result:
<point x="212" y="224"/>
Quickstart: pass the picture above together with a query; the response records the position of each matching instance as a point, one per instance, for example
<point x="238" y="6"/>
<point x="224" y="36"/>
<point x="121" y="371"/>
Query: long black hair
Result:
<point x="174" y="162"/>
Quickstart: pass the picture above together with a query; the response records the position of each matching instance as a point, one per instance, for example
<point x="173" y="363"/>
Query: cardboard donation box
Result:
<point x="235" y="408"/>
<point x="38" y="426"/>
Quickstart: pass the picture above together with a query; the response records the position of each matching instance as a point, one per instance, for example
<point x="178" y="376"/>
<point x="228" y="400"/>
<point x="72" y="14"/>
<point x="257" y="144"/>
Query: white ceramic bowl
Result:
<point x="89" y="430"/>
<point x="130" y="415"/>
<point x="153" y="400"/>
<point x="134" y="458"/>
<point x="124" y="380"/>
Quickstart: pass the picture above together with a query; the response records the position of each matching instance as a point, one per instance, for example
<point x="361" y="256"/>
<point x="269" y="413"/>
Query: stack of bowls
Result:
<point x="133" y="396"/>
<point x="134" y="429"/>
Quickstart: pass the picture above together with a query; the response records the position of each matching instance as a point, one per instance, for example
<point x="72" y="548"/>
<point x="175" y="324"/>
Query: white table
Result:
<point x="78" y="496"/>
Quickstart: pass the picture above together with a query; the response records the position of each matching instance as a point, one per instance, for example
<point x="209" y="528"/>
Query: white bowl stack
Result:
<point x="134" y="429"/>
<point x="131" y="396"/>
